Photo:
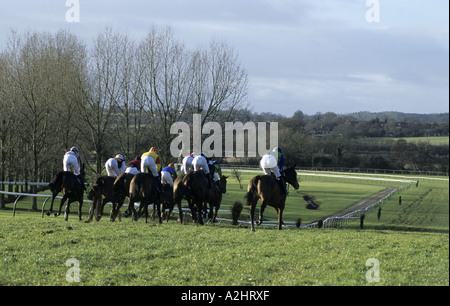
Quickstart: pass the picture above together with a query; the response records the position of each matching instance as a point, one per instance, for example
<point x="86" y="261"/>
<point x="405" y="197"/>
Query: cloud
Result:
<point x="314" y="56"/>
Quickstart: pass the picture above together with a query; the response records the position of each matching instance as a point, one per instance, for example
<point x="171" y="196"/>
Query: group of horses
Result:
<point x="192" y="187"/>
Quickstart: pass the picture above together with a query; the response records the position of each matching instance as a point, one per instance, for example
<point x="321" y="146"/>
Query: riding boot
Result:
<point x="282" y="184"/>
<point x="208" y="177"/>
<point x="81" y="181"/>
<point x="217" y="184"/>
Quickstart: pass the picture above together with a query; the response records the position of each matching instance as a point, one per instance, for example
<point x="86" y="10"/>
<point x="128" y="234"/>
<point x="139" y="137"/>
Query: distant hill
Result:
<point x="398" y="116"/>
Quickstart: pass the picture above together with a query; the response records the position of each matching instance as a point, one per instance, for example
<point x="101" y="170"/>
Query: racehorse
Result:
<point x="266" y="188"/>
<point x="121" y="190"/>
<point x="143" y="189"/>
<point x="70" y="185"/>
<point x="168" y="202"/>
<point x="178" y="194"/>
<point x="215" y="198"/>
<point x="103" y="187"/>
<point x="195" y="190"/>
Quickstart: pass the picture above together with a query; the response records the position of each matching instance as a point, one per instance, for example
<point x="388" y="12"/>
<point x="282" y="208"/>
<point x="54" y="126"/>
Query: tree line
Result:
<point x="361" y="140"/>
<point x="116" y="95"/>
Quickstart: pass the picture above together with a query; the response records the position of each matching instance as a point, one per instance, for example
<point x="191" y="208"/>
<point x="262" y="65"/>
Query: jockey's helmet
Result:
<point x="153" y="149"/>
<point x="74" y="149"/>
<point x="120" y="156"/>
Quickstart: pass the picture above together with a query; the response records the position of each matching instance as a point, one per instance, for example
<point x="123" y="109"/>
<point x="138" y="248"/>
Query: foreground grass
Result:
<point x="34" y="252"/>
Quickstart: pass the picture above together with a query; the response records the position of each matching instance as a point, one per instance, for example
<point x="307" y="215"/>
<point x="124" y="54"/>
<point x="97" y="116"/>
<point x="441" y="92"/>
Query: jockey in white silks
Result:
<point x="151" y="163"/>
<point x="269" y="164"/>
<point x="72" y="162"/>
<point x="201" y="163"/>
<point x="115" y="166"/>
<point x="186" y="164"/>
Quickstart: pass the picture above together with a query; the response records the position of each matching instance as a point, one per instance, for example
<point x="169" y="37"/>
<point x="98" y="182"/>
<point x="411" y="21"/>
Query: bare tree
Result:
<point x="103" y="90"/>
<point x="166" y="85"/>
<point x="220" y="82"/>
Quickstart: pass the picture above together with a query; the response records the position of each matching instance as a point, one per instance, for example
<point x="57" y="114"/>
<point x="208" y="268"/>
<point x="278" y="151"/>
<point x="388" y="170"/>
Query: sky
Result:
<point x="340" y="56"/>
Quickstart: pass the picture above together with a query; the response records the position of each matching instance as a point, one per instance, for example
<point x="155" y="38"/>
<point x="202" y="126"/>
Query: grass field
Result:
<point x="410" y="242"/>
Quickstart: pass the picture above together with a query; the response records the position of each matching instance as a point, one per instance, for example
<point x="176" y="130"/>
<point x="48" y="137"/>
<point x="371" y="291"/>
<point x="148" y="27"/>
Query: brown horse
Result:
<point x="121" y="190"/>
<point x="178" y="195"/>
<point x="100" y="193"/>
<point x="168" y="202"/>
<point x="266" y="188"/>
<point x="72" y="189"/>
<point x="215" y="198"/>
<point x="143" y="190"/>
<point x="195" y="191"/>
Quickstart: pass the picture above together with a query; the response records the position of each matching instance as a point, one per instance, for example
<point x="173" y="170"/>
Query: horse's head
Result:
<point x="223" y="183"/>
<point x="92" y="191"/>
<point x="291" y="177"/>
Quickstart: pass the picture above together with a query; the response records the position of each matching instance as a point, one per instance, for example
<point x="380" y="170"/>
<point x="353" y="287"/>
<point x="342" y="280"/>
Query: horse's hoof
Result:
<point x="48" y="213"/>
<point x="56" y="214"/>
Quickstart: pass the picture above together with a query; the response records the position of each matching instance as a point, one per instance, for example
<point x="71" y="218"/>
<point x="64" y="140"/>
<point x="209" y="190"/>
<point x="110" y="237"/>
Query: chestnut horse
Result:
<point x="102" y="188"/>
<point x="178" y="195"/>
<point x="266" y="188"/>
<point x="72" y="189"/>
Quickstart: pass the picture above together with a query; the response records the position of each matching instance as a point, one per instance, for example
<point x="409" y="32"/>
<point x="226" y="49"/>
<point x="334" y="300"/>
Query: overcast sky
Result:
<point x="308" y="55"/>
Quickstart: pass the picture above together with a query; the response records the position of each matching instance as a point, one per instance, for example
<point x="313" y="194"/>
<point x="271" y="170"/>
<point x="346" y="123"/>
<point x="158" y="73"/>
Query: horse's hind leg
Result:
<point x="60" y="206"/>
<point x="67" y="211"/>
<point x="280" y="218"/>
<point x="215" y="213"/>
<point x="51" y="205"/>
<point x="92" y="210"/>
<point x="80" y="205"/>
<point x="261" y="212"/>
<point x="252" y="216"/>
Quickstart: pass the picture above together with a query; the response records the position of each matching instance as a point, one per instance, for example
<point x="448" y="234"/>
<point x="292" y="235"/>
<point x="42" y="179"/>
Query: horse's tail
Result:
<point x="56" y="183"/>
<point x="252" y="193"/>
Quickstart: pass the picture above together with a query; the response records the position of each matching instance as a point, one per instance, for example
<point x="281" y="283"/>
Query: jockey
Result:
<point x="186" y="165"/>
<point x="280" y="159"/>
<point x="72" y="162"/>
<point x="115" y="166"/>
<point x="150" y="162"/>
<point x="200" y="162"/>
<point x="168" y="175"/>
<point x="217" y="174"/>
<point x="269" y="164"/>
<point x="133" y="166"/>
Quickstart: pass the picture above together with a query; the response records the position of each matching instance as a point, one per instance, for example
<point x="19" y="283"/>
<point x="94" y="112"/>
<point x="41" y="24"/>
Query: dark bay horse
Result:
<point x="101" y="192"/>
<point x="168" y="202"/>
<point x="195" y="191"/>
<point x="143" y="189"/>
<point x="266" y="188"/>
<point x="72" y="190"/>
<point x="121" y="190"/>
<point x="215" y="198"/>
